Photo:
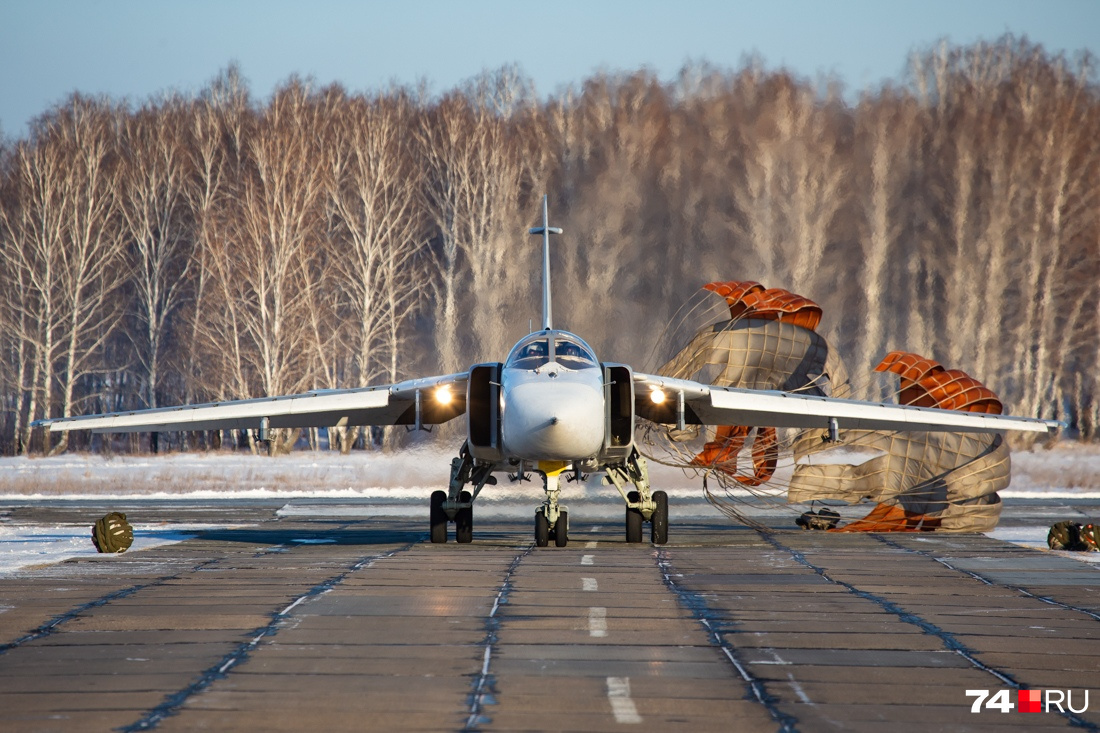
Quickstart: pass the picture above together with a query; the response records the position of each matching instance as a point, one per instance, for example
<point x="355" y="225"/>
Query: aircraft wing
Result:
<point x="393" y="404"/>
<point x="707" y="405"/>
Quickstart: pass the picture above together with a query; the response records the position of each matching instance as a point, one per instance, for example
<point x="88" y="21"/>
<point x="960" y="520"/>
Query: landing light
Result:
<point x="658" y="396"/>
<point x="443" y="395"/>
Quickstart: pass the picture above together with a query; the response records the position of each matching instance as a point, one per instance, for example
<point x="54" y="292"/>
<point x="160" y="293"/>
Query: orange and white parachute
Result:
<point x="917" y="480"/>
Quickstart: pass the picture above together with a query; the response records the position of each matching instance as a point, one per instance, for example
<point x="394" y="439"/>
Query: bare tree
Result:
<point x="220" y="122"/>
<point x="1064" y="201"/>
<point x="612" y="139"/>
<point x="68" y="252"/>
<point x="888" y="137"/>
<point x="473" y="195"/>
<point x="371" y="194"/>
<point x="91" y="258"/>
<point x="272" y="239"/>
<point x="794" y="175"/>
<point x="152" y="191"/>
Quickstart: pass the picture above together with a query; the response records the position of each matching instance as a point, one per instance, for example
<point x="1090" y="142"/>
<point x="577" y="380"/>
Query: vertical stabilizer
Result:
<point x="546" y="230"/>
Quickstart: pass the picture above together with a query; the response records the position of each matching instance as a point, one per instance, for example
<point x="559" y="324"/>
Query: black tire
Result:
<point x="561" y="530"/>
<point x="633" y="519"/>
<point x="658" y="529"/>
<point x="464" y="521"/>
<point x="542" y="529"/>
<point x="438" y="517"/>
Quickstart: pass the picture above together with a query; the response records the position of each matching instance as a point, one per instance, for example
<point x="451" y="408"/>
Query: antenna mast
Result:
<point x="546" y="230"/>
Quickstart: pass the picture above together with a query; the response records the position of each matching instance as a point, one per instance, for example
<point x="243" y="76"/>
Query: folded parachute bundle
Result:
<point x="112" y="533"/>
<point x="1074" y="536"/>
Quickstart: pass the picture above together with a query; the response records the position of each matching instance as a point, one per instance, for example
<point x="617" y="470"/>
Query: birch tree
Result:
<point x="474" y="195"/>
<point x="372" y="193"/>
<point x="275" y="231"/>
<point x="888" y="137"/>
<point x="67" y="251"/>
<point x="153" y="207"/>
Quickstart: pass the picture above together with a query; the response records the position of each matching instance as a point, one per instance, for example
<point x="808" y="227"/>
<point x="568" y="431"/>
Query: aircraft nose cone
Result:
<point x="553" y="421"/>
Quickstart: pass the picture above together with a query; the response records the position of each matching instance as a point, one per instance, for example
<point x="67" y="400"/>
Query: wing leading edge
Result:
<point x="394" y="404"/>
<point x="707" y="405"/>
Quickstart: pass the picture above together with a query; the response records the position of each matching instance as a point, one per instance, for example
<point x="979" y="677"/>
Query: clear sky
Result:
<point x="134" y="48"/>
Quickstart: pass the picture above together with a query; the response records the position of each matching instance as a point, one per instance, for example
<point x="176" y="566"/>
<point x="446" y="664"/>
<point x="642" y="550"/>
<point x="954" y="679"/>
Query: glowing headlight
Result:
<point x="658" y="396"/>
<point x="443" y="395"/>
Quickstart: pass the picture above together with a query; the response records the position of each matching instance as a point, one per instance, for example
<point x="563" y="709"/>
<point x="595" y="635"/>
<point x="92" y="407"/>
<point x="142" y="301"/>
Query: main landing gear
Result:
<point x="641" y="505"/>
<point x="456" y="504"/>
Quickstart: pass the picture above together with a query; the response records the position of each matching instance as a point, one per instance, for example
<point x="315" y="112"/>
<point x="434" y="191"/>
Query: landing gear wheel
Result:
<point x="438" y="517"/>
<point x="561" y="530"/>
<point x="542" y="529"/>
<point x="633" y="519"/>
<point x="464" y="521"/>
<point x="659" y="521"/>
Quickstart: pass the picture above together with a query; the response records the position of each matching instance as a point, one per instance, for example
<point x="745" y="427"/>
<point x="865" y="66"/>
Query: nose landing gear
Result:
<point x="552" y="520"/>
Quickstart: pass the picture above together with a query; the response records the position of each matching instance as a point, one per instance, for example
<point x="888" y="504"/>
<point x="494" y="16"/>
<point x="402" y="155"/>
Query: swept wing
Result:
<point x="707" y="405"/>
<point x="404" y="403"/>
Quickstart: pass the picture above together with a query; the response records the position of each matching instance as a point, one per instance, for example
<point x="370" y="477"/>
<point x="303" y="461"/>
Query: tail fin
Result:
<point x="546" y="230"/>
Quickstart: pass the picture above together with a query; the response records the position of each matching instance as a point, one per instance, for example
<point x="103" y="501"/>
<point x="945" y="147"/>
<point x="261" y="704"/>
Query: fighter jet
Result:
<point x="552" y="408"/>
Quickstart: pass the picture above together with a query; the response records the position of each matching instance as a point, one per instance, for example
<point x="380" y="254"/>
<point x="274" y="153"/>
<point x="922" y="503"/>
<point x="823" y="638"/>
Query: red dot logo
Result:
<point x="1029" y="701"/>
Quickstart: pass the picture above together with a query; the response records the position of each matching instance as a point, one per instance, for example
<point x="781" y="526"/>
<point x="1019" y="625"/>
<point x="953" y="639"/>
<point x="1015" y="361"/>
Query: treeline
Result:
<point x="214" y="247"/>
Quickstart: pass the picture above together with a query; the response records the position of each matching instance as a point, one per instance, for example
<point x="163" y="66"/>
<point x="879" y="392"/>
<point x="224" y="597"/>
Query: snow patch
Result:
<point x="23" y="546"/>
<point x="1035" y="538"/>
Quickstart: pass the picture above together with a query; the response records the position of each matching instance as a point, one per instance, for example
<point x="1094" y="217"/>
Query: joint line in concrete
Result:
<point x="697" y="605"/>
<point x="173" y="702"/>
<point x="982" y="579"/>
<point x="52" y="625"/>
<point x="946" y="637"/>
<point x="483" y="683"/>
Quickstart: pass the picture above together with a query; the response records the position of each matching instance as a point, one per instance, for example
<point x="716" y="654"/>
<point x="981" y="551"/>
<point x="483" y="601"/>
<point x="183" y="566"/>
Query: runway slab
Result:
<point x="320" y="623"/>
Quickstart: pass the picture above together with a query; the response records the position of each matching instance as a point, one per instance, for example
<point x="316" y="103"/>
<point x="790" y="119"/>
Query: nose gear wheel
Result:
<point x="542" y="529"/>
<point x="561" y="530"/>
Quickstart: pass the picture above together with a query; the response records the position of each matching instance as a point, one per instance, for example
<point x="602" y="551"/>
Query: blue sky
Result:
<point x="132" y="48"/>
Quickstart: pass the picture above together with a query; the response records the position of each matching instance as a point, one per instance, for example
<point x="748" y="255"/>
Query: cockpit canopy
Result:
<point x="537" y="349"/>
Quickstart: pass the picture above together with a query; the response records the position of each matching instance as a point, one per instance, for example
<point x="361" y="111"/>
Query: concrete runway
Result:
<point x="343" y="623"/>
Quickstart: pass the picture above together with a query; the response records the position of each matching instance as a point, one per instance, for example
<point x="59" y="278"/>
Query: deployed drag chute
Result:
<point x="769" y="343"/>
<point x="917" y="479"/>
<point x="920" y="480"/>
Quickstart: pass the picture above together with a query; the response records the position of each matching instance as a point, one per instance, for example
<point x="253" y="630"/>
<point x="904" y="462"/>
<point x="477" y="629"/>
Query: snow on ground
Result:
<point x="410" y="474"/>
<point x="26" y="545"/>
<point x="1036" y="539"/>
<point x="1069" y="470"/>
<point x="1066" y="471"/>
<point x="220" y="474"/>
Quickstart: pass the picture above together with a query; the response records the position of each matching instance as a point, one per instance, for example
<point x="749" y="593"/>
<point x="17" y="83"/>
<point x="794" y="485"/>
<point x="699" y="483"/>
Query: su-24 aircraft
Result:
<point x="553" y="408"/>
